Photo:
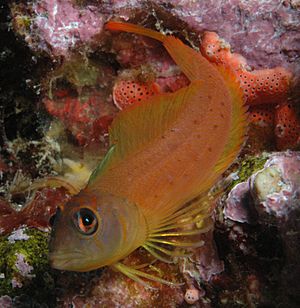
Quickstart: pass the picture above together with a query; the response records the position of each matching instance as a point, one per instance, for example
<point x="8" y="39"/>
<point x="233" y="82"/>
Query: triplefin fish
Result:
<point x="165" y="154"/>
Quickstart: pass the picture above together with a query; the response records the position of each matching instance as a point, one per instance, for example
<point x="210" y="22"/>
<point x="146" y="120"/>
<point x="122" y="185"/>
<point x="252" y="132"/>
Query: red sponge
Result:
<point x="128" y="92"/>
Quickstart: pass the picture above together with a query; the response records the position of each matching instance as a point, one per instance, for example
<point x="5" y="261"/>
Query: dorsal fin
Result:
<point x="139" y="124"/>
<point x="238" y="119"/>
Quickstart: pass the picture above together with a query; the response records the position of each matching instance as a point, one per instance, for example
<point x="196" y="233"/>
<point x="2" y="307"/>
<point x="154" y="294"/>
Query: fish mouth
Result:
<point x="67" y="260"/>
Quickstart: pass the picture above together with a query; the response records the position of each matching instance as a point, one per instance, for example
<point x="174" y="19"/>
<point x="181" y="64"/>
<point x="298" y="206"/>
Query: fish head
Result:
<point x="93" y="230"/>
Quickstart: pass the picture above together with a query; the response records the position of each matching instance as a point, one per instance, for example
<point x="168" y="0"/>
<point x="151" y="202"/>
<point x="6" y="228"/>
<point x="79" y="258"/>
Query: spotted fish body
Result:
<point x="164" y="153"/>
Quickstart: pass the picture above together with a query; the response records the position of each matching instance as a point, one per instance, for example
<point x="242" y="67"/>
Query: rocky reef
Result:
<point x="64" y="79"/>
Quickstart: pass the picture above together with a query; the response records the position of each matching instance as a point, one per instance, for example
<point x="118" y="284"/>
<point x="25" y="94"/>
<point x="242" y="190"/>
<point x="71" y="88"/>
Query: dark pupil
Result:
<point x="87" y="218"/>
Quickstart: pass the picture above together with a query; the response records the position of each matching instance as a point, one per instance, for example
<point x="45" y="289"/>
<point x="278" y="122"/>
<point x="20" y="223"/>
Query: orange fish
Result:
<point x="165" y="155"/>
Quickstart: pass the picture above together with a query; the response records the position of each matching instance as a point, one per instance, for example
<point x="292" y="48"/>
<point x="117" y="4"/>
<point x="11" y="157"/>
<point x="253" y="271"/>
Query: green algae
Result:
<point x="248" y="166"/>
<point x="24" y="266"/>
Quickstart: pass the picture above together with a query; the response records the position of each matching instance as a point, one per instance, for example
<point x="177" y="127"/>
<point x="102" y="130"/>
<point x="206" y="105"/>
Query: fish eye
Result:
<point x="85" y="221"/>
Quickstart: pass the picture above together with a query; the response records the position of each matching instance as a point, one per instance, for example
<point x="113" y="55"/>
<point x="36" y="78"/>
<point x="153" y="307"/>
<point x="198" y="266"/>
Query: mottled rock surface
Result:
<point x="266" y="32"/>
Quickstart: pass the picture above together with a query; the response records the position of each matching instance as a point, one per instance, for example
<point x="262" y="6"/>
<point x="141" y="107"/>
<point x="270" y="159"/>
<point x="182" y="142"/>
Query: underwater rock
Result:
<point x="6" y="301"/>
<point x="24" y="267"/>
<point x="107" y="288"/>
<point x="273" y="195"/>
<point x="273" y="191"/>
<point x="205" y="262"/>
<point x="56" y="26"/>
<point x="37" y="213"/>
<point x="239" y="205"/>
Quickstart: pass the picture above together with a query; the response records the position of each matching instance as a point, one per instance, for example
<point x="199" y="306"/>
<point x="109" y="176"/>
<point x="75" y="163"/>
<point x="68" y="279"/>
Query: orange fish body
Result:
<point x="165" y="152"/>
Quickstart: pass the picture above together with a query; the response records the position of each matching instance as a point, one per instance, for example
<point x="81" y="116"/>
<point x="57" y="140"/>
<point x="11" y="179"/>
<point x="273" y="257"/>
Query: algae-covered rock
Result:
<point x="24" y="266"/>
<point x="248" y="166"/>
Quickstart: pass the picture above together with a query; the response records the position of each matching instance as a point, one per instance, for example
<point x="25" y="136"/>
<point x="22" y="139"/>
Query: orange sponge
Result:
<point x="287" y="129"/>
<point x="265" y="86"/>
<point x="259" y="86"/>
<point x="128" y="92"/>
<point x="218" y="51"/>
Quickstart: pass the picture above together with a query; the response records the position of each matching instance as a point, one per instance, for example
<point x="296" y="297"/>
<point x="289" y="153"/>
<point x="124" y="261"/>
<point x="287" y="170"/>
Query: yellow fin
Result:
<point x="139" y="276"/>
<point x="102" y="165"/>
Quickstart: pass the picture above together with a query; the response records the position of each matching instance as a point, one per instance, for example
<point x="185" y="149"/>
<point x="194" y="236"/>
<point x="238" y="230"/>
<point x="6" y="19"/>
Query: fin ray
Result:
<point x="136" y="274"/>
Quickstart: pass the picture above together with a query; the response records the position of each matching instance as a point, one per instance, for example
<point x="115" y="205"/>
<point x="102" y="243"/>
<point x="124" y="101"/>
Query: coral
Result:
<point x="24" y="266"/>
<point x="248" y="166"/>
<point x="265" y="86"/>
<point x="78" y="93"/>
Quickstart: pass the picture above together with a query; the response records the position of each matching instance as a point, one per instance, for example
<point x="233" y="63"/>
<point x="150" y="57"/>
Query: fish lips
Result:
<point x="66" y="260"/>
